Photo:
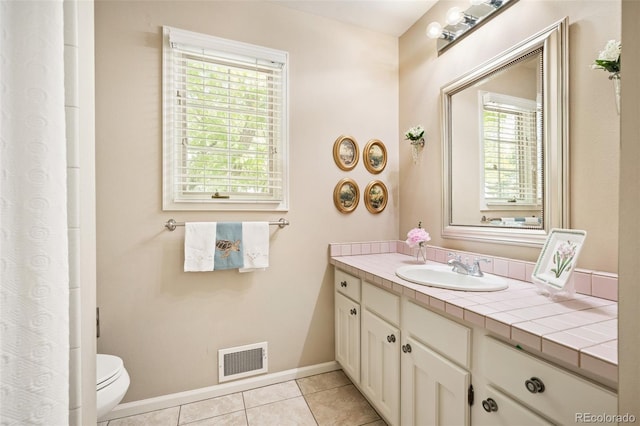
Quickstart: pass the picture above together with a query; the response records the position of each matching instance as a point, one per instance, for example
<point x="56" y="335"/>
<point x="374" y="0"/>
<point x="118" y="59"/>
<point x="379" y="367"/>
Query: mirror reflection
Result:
<point x="506" y="144"/>
<point x="497" y="151"/>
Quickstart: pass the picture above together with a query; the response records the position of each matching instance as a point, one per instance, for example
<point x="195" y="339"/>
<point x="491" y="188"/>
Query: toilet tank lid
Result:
<point x="107" y="366"/>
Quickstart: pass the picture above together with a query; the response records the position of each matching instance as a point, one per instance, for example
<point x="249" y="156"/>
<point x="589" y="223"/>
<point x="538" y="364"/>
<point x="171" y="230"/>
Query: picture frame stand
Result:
<point x="553" y="271"/>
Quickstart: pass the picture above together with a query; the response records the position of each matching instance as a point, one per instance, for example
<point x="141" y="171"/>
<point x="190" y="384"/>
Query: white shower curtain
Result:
<point x="34" y="297"/>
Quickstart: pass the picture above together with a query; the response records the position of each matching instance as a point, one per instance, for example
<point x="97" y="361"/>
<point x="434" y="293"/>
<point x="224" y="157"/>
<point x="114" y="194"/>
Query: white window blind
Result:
<point x="512" y="158"/>
<point x="225" y="124"/>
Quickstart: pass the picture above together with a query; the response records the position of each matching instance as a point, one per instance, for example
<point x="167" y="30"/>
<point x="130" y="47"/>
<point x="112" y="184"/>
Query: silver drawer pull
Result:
<point x="534" y="385"/>
<point x="354" y="311"/>
<point x="343" y="283"/>
<point x="489" y="405"/>
<point x="391" y="338"/>
<point x="406" y="348"/>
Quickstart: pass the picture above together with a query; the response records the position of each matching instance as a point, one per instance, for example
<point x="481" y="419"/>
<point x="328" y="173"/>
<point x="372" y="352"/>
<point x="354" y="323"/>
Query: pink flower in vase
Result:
<point x="417" y="236"/>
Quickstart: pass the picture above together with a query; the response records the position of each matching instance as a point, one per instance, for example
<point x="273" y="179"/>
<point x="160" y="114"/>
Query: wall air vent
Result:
<point x="242" y="361"/>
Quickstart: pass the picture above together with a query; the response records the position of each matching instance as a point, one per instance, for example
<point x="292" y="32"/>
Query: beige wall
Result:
<point x="629" y="291"/>
<point x="86" y="324"/>
<point x="594" y="124"/>
<point x="167" y="325"/>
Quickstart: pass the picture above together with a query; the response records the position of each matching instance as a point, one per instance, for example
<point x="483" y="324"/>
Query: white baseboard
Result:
<point x="186" y="397"/>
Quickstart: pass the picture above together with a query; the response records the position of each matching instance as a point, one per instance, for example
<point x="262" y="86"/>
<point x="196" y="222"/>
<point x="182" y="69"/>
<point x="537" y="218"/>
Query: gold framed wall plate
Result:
<point x="346" y="195"/>
<point x="375" y="156"/>
<point x="345" y="152"/>
<point x="376" y="196"/>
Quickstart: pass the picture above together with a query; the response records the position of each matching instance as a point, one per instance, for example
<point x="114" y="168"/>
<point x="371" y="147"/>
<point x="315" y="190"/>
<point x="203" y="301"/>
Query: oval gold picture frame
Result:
<point x="346" y="195"/>
<point x="376" y="196"/>
<point x="345" y="152"/>
<point x="375" y="156"/>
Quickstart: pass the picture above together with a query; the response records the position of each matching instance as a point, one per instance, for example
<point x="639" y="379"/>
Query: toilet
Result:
<point x="112" y="383"/>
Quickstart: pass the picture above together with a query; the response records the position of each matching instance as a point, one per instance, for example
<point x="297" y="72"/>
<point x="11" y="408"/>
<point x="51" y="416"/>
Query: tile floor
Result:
<point x="324" y="399"/>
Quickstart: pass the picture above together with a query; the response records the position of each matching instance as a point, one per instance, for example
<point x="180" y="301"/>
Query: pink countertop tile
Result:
<point x="581" y="330"/>
<point x="607" y="351"/>
<point x="604" y="285"/>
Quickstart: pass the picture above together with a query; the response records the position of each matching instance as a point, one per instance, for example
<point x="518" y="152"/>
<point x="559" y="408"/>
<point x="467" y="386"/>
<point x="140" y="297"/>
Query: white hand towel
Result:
<point x="255" y="237"/>
<point x="199" y="246"/>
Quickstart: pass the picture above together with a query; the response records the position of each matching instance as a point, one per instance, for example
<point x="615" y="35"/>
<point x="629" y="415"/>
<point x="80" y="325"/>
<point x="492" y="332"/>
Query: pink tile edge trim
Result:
<point x="592" y="283"/>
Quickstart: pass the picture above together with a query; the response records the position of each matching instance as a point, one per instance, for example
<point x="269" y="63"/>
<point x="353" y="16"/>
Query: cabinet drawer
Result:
<point x="386" y="305"/>
<point x="562" y="395"/>
<point x="447" y="337"/>
<point x="347" y="284"/>
<point x="497" y="409"/>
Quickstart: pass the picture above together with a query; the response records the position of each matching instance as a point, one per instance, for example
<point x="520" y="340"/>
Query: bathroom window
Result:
<point x="225" y="124"/>
<point x="511" y="155"/>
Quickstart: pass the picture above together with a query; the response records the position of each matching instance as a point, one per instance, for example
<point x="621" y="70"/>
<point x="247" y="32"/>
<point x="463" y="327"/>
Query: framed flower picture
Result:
<point x="375" y="196"/>
<point x="346" y="195"/>
<point x="345" y="152"/>
<point x="375" y="156"/>
<point x="558" y="258"/>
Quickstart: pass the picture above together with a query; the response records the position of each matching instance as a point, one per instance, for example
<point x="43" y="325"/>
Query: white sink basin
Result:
<point x="443" y="277"/>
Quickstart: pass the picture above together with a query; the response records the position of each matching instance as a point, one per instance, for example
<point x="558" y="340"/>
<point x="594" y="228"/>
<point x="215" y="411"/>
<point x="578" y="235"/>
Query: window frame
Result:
<point x="172" y="155"/>
<point x="527" y="106"/>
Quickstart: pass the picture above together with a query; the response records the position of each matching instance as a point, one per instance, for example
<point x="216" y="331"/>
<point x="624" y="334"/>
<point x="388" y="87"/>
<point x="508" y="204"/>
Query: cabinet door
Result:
<point x="493" y="408"/>
<point x="434" y="390"/>
<point x="347" y="330"/>
<point x="381" y="365"/>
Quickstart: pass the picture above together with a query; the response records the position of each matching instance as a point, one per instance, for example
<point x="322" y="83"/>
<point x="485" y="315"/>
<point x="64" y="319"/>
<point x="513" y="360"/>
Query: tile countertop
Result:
<point x="581" y="331"/>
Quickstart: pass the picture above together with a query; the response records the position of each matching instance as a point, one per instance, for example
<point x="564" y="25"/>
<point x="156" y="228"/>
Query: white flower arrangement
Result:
<point x="609" y="58"/>
<point x="415" y="135"/>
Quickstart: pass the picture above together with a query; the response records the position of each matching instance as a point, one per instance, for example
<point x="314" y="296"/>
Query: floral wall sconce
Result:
<point x="609" y="60"/>
<point x="416" y="136"/>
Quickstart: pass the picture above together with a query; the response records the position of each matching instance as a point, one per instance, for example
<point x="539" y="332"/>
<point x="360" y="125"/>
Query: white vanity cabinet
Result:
<point x="347" y="323"/>
<point x="380" y="361"/>
<point x="415" y="365"/>
<point x="435" y="380"/>
<point x="541" y="387"/>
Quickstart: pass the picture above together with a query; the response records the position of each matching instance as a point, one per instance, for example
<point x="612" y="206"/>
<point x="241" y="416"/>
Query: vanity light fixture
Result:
<point x="494" y="3"/>
<point x="460" y="22"/>
<point x="455" y="15"/>
<point x="435" y="30"/>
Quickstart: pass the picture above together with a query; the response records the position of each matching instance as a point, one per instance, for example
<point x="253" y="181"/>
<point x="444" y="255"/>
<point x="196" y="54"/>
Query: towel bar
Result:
<point x="171" y="224"/>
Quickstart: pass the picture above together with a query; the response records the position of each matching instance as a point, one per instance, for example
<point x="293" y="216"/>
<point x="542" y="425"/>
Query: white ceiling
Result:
<point x="392" y="17"/>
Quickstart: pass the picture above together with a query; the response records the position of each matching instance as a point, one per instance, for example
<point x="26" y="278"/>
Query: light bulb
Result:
<point x="454" y="16"/>
<point x="434" y="30"/>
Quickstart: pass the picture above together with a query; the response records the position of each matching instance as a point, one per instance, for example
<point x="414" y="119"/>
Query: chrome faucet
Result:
<point x="465" y="268"/>
<point x="457" y="264"/>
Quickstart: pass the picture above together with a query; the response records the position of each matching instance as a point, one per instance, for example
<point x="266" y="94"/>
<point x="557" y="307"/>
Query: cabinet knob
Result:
<point x="534" y="385"/>
<point x="391" y="338"/>
<point x="343" y="283"/>
<point x="354" y="311"/>
<point x="489" y="405"/>
<point x="406" y="348"/>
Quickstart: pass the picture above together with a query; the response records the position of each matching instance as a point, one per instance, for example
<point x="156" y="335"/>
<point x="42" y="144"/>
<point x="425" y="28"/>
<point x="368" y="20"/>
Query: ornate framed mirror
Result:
<point x="505" y="150"/>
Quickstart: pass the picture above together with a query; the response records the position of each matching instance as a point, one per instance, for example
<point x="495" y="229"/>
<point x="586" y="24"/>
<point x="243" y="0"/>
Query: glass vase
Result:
<point x="421" y="254"/>
<point x="416" y="147"/>
<point x="615" y="78"/>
